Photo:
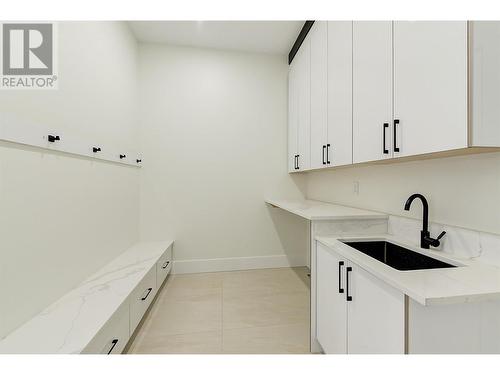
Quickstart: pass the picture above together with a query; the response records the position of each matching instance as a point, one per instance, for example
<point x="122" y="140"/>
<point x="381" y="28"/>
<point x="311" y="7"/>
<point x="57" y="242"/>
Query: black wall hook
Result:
<point x="96" y="149"/>
<point x="122" y="156"/>
<point x="138" y="160"/>
<point x="53" y="138"/>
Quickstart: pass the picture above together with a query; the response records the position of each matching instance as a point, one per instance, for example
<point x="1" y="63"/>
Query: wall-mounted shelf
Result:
<point x="15" y="131"/>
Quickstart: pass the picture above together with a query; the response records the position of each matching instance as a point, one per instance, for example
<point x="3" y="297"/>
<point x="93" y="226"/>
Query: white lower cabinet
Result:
<point x="113" y="337"/>
<point x="141" y="298"/>
<point x="163" y="267"/>
<point x="331" y="309"/>
<point x="356" y="313"/>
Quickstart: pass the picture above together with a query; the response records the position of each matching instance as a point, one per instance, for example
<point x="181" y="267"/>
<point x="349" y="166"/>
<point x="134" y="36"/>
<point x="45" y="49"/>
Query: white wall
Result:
<point x="213" y="126"/>
<point x="463" y="191"/>
<point x="63" y="217"/>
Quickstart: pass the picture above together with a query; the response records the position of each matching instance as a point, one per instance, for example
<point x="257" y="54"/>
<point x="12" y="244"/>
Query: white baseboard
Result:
<point x="238" y="263"/>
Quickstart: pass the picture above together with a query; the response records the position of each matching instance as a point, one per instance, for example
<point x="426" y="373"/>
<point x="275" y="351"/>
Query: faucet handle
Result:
<point x="441" y="235"/>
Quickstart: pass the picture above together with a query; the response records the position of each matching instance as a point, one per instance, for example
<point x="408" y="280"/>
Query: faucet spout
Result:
<point x="425" y="236"/>
<point x="425" y="206"/>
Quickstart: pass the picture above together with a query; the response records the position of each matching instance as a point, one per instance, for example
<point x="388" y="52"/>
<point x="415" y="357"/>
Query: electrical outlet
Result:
<point x="356" y="187"/>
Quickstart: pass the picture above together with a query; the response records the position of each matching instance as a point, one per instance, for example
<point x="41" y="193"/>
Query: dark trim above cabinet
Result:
<point x="302" y="35"/>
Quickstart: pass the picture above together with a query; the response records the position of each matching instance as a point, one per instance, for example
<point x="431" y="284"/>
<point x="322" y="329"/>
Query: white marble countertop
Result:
<point x="316" y="210"/>
<point x="470" y="281"/>
<point x="69" y="324"/>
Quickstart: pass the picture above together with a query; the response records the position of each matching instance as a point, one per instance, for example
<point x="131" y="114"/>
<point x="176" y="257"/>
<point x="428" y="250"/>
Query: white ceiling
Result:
<point x="251" y="36"/>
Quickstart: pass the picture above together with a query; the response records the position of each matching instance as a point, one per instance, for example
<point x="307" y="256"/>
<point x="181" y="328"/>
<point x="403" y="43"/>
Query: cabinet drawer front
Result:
<point x="141" y="298"/>
<point x="163" y="267"/>
<point x="113" y="337"/>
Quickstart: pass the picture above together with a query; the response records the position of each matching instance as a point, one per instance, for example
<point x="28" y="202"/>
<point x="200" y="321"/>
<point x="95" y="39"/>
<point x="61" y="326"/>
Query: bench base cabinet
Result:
<point x="113" y="337"/>
<point x="356" y="313"/>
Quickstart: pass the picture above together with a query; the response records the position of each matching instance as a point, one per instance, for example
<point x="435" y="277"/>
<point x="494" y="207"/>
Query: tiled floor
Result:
<point x="257" y="311"/>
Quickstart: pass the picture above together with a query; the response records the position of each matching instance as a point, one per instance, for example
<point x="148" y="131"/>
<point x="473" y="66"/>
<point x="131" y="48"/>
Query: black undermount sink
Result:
<point x="396" y="256"/>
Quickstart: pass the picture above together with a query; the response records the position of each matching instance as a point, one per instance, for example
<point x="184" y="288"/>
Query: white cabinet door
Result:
<point x="293" y="116"/>
<point x="303" y="66"/>
<point x="319" y="86"/>
<point x="372" y="90"/>
<point x="331" y="318"/>
<point x="339" y="143"/>
<point x="430" y="86"/>
<point x="375" y="314"/>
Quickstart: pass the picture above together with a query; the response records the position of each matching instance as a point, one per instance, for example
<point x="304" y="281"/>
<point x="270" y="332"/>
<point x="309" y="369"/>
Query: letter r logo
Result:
<point x="27" y="49"/>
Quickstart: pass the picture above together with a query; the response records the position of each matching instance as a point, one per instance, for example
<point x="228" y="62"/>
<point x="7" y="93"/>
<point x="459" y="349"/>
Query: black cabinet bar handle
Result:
<point x="348" y="297"/>
<point x="138" y="161"/>
<point x="298" y="161"/>
<point x="386" y="125"/>
<point x="327" y="155"/>
<point x="96" y="149"/>
<point x="324" y="148"/>
<point x="341" y="290"/>
<point x="396" y="122"/>
<point x="147" y="295"/>
<point x="114" y="342"/>
<point x="53" y="138"/>
<point x="166" y="264"/>
<point x="122" y="156"/>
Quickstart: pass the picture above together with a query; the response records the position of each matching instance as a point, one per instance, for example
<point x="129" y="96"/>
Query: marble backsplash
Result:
<point x="459" y="242"/>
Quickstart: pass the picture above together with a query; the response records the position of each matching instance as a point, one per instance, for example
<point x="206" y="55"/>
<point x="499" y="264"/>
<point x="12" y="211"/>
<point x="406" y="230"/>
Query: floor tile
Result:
<point x="190" y="343"/>
<point x="267" y="340"/>
<point x="257" y="309"/>
<point x="187" y="314"/>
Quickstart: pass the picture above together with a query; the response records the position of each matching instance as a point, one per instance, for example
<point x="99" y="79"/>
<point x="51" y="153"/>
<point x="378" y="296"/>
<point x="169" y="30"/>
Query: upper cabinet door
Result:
<point x="293" y="118"/>
<point x="303" y="71"/>
<point x="319" y="86"/>
<point x="430" y="86"/>
<point x="339" y="142"/>
<point x="372" y="90"/>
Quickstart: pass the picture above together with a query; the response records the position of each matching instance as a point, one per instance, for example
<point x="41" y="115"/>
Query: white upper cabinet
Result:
<point x="364" y="91"/>
<point x="299" y="109"/>
<point x="339" y="143"/>
<point x="293" y="118"/>
<point x="331" y="99"/>
<point x="484" y="37"/>
<point x="430" y="86"/>
<point x="372" y="90"/>
<point x="319" y="96"/>
<point x="304" y="116"/>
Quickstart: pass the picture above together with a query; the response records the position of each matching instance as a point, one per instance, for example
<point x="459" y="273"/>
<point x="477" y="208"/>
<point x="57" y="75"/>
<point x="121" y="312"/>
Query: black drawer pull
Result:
<point x="147" y="295"/>
<point x="341" y="290"/>
<point x="386" y="125"/>
<point x="122" y="156"/>
<point x="114" y="342"/>
<point x="396" y="122"/>
<point x="298" y="161"/>
<point x="165" y="265"/>
<point x="324" y="148"/>
<point x="327" y="154"/>
<point x="96" y="149"/>
<point x="348" y="297"/>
